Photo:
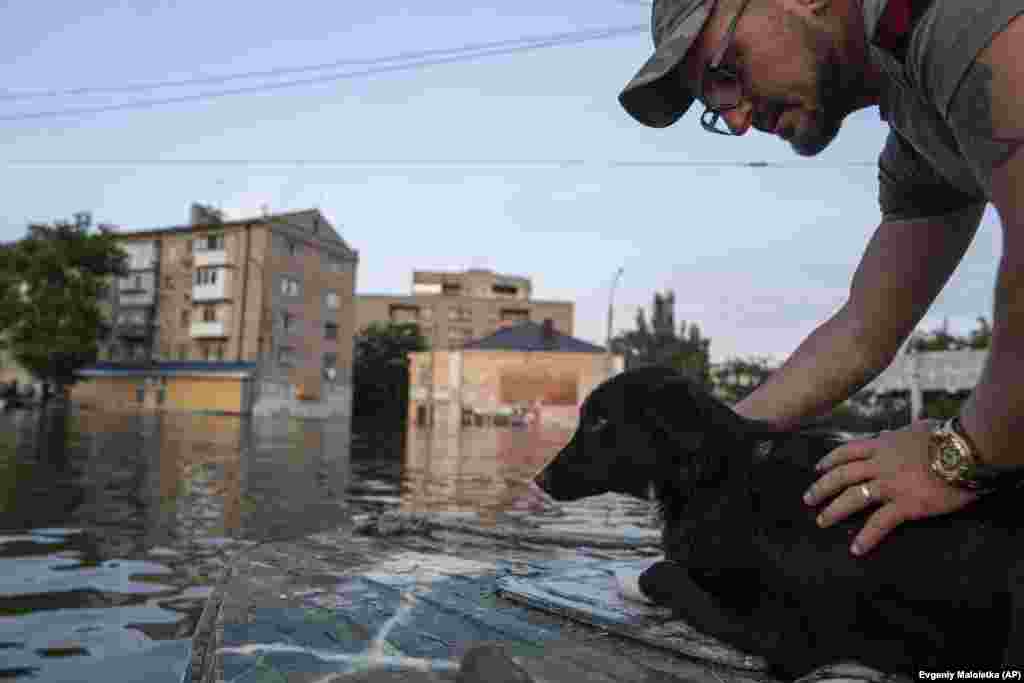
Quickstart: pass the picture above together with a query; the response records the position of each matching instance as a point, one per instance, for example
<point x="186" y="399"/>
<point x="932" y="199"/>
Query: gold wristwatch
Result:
<point x="954" y="459"/>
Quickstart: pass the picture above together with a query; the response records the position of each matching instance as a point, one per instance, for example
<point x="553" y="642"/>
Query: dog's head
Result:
<point x="640" y="431"/>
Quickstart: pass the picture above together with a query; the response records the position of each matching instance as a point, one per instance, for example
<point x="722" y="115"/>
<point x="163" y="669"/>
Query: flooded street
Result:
<point x="114" y="527"/>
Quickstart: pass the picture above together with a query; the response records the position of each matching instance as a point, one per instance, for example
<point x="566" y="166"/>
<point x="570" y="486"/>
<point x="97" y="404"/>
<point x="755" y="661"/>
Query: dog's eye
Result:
<point x="597" y="425"/>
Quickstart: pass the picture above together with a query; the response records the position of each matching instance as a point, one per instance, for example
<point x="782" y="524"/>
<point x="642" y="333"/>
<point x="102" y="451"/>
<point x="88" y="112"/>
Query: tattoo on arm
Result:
<point x="972" y="116"/>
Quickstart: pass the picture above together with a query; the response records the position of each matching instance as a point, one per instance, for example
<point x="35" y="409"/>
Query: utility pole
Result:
<point x="611" y="301"/>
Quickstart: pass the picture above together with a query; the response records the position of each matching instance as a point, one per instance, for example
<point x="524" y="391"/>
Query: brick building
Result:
<point x="453" y="308"/>
<point x="270" y="298"/>
<point x="528" y="372"/>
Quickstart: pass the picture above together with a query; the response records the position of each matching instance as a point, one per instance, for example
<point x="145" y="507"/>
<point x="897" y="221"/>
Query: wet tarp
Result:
<point x="587" y="592"/>
<point x="424" y="612"/>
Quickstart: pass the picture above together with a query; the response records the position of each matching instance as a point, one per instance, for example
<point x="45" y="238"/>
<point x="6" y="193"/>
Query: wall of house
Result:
<point x="214" y="394"/>
<point x="107" y="393"/>
<point x="551" y="384"/>
<point x="448" y="321"/>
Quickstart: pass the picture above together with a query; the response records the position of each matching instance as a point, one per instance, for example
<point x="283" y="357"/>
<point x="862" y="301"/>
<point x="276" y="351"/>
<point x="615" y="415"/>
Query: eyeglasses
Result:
<point x="720" y="87"/>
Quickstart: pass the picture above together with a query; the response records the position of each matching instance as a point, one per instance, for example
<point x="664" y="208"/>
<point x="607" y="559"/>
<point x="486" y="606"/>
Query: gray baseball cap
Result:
<point x="652" y="97"/>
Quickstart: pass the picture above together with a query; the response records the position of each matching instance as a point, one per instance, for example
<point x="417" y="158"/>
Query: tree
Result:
<point x="659" y="344"/>
<point x="980" y="338"/>
<point x="940" y="339"/>
<point x="381" y="368"/>
<point x="736" y="378"/>
<point x="51" y="282"/>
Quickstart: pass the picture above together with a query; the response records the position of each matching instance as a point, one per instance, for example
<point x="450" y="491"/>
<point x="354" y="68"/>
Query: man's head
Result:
<point x="794" y="68"/>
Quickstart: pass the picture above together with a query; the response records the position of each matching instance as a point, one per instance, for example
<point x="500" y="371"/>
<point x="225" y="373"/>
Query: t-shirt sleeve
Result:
<point x="908" y="186"/>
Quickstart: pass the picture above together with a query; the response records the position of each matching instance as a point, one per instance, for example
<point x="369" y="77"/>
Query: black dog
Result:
<point x="746" y="563"/>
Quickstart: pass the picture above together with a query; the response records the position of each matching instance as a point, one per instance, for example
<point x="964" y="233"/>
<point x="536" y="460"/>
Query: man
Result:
<point x="948" y="77"/>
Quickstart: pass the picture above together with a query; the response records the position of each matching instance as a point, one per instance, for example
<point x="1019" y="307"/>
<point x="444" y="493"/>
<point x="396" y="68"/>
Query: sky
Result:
<point x="517" y="160"/>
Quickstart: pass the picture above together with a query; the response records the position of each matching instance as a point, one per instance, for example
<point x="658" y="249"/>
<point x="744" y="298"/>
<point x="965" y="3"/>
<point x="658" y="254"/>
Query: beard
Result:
<point x="823" y="124"/>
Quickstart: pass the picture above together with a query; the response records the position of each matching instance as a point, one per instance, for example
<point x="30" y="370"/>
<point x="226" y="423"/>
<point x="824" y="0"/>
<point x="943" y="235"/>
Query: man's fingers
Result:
<point x="837" y="479"/>
<point x="848" y="452"/>
<point x="850" y="501"/>
<point x="878" y="526"/>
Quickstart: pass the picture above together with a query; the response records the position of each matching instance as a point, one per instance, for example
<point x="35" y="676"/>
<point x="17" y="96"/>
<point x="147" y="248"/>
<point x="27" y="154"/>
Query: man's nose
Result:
<point x="739" y="118"/>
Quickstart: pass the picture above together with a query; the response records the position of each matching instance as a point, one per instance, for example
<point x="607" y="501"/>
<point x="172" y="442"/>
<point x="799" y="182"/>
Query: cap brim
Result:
<point x="654" y="99"/>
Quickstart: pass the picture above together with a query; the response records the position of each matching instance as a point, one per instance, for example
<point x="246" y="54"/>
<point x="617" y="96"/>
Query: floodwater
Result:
<point x="114" y="527"/>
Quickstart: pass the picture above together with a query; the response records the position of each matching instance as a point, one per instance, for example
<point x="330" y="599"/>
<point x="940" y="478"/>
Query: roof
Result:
<point x="223" y="368"/>
<point x="530" y="336"/>
<point x="307" y="221"/>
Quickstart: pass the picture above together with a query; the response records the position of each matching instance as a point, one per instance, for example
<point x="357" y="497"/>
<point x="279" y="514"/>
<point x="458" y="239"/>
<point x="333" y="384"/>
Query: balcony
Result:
<point x="217" y="290"/>
<point x="139" y="297"/>
<point x="212" y="329"/>
<point x="205" y="258"/>
<point x="134" y="330"/>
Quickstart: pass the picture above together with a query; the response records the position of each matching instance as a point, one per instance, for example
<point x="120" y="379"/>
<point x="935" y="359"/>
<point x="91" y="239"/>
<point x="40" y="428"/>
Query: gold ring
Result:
<point x="866" y="491"/>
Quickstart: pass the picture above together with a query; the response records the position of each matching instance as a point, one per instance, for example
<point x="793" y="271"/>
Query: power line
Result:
<point x="225" y="78"/>
<point x="562" y="39"/>
<point x="448" y="163"/>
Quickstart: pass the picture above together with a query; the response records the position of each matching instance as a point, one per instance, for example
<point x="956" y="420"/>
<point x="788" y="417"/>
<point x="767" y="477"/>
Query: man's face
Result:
<point x="794" y="83"/>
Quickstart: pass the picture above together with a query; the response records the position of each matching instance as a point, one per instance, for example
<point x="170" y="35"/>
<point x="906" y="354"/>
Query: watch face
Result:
<point x="950" y="456"/>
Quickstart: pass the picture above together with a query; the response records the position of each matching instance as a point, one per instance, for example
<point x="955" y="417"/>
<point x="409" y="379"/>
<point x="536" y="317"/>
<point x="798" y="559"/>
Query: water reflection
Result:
<point x="484" y="473"/>
<point x="113" y="526"/>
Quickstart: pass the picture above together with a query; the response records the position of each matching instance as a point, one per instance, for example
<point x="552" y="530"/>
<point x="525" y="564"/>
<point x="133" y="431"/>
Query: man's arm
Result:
<point x="988" y="119"/>
<point x="904" y="267"/>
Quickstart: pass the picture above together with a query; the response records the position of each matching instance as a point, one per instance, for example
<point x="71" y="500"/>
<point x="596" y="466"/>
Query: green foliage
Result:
<point x="381" y="368"/>
<point x="51" y="282"/>
<point x="736" y="378"/>
<point x="659" y="344"/>
<point x="940" y="339"/>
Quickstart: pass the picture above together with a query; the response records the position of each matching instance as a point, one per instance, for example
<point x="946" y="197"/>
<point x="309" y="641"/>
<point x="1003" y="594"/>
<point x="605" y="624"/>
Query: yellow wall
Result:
<point x="183" y="394"/>
<point x="109" y="393"/>
<point x="221" y="394"/>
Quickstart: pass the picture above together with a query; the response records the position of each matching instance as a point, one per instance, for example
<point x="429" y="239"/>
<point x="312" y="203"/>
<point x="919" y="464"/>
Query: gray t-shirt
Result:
<point x="931" y="164"/>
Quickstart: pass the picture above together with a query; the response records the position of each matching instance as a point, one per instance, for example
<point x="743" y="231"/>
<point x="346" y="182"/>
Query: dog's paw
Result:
<point x="629" y="586"/>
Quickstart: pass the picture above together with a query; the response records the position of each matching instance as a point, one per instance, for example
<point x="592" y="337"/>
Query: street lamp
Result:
<point x="611" y="300"/>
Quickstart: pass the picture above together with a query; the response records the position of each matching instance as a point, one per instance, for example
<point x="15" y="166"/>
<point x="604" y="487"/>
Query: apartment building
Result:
<point x="453" y="308"/>
<point x="273" y="295"/>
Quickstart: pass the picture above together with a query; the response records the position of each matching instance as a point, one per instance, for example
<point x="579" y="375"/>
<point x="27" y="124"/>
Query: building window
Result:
<point x="138" y="282"/>
<point x="427" y="313"/>
<point x="514" y="316"/>
<point x="168" y="282"/>
<point x="288" y="321"/>
<point x="210" y="243"/>
<point x="330" y="331"/>
<point x="504" y="290"/>
<point x="292" y="246"/>
<point x="131" y="318"/>
<point x="185" y="318"/>
<point x="460" y="314"/>
<point x="286" y="356"/>
<point x="209" y="314"/>
<point x="206" y="276"/>
<point x="404" y="314"/>
<point x="289" y="286"/>
<point x="332" y="301"/>
<point x="451" y="289"/>
<point x="457" y="336"/>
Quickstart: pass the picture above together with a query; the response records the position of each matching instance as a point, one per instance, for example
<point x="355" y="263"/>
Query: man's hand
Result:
<point x="894" y="468"/>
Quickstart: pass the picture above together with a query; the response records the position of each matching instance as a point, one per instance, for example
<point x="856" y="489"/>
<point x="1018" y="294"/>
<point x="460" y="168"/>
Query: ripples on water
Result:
<point x="114" y="527"/>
